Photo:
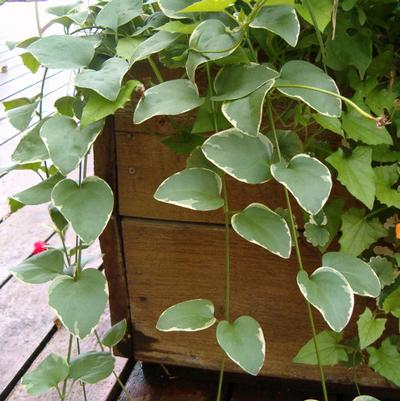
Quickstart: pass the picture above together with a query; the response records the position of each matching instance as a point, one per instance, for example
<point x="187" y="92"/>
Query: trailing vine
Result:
<point x="269" y="115"/>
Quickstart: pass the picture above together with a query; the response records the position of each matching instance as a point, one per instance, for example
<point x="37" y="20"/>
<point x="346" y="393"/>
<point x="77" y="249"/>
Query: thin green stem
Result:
<point x="37" y="17"/>
<point x="333" y="94"/>
<point x="299" y="257"/>
<point x="211" y="93"/>
<point x="78" y="347"/>
<point x="156" y="70"/>
<point x="375" y="212"/>
<point x="221" y="378"/>
<point x="46" y="169"/>
<point x="62" y="238"/>
<point x="64" y="388"/>
<point x="119" y="381"/>
<point x="59" y="393"/>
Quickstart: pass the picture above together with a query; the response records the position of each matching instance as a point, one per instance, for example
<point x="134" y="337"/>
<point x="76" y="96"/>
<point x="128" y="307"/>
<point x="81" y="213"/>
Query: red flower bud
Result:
<point x="39" y="246"/>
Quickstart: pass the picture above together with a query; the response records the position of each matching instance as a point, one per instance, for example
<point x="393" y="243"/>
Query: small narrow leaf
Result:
<point x="330" y="293"/>
<point x="193" y="188"/>
<point x="261" y="226"/>
<point x="229" y="150"/>
<point x="307" y="179"/>
<point x="243" y="341"/>
<point x="40" y="268"/>
<point x="193" y="315"/>
<point x="92" y="367"/>
<point x="114" y="334"/>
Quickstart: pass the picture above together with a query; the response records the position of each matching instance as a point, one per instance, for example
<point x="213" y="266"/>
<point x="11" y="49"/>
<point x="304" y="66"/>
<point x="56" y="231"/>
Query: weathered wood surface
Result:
<point x="170" y="262"/>
<point x="144" y="162"/>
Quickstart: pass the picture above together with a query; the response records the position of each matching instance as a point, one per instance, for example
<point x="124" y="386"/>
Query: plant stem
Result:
<point x="123" y="388"/>
<point x="317" y="32"/>
<point x="221" y="378"/>
<point x="333" y="94"/>
<point x="59" y="393"/>
<point x="37" y="17"/>
<point x="78" y="347"/>
<point x="61" y="235"/>
<point x="64" y="389"/>
<point x="156" y="70"/>
<point x="299" y="258"/>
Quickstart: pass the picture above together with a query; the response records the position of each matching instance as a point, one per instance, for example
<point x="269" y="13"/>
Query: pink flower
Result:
<point x="39" y="246"/>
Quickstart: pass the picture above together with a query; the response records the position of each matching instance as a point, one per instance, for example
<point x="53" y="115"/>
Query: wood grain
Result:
<point x="171" y="262"/>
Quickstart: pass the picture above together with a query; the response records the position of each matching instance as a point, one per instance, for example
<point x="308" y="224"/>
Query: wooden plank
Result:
<point x="171" y="262"/>
<point x="105" y="167"/>
<point x="59" y="344"/>
<point x="149" y="383"/>
<point x="144" y="162"/>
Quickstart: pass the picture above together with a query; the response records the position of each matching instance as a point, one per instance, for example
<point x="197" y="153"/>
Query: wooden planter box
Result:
<point x="157" y="255"/>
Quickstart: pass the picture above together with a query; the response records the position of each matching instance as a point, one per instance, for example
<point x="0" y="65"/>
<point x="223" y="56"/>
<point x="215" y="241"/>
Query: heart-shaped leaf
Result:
<point x="238" y="80"/>
<point x="330" y="293"/>
<point x="361" y="277"/>
<point x="79" y="303"/>
<point x="53" y="370"/>
<point x="157" y="100"/>
<point x="307" y="179"/>
<point x="20" y="116"/>
<point x="243" y="341"/>
<point x="203" y="6"/>
<point x="281" y="20"/>
<point x="211" y="40"/>
<point x="171" y="8"/>
<point x="66" y="142"/>
<point x="92" y="367"/>
<point x="114" y="334"/>
<point x="246" y="113"/>
<point x="296" y="74"/>
<point x="118" y="12"/>
<point x="369" y="328"/>
<point x="193" y="188"/>
<point x="229" y="150"/>
<point x="261" y="226"/>
<point x="107" y="80"/>
<point x="193" y="315"/>
<point x="64" y="52"/>
<point x="40" y="268"/>
<point x="87" y="207"/>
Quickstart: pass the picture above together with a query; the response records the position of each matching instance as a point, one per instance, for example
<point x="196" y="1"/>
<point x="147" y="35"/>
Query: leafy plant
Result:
<point x="275" y="113"/>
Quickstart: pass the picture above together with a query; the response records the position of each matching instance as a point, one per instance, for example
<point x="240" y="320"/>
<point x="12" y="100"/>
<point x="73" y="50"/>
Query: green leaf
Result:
<point x="177" y="27"/>
<point x="53" y="370"/>
<point x="352" y="45"/>
<point x="330" y="293"/>
<point x="79" y="303"/>
<point x="193" y="315"/>
<point x="59" y="221"/>
<point x="87" y="207"/>
<point x="157" y="100"/>
<point x="97" y="107"/>
<point x="386" y="179"/>
<point x="261" y="226"/>
<point x="361" y="277"/>
<point x="65" y="105"/>
<point x="385" y="360"/>
<point x="229" y="150"/>
<point x="364" y="130"/>
<point x="118" y="12"/>
<point x="245" y="114"/>
<point x="355" y="173"/>
<point x="333" y="211"/>
<point x="92" y="367"/>
<point x="40" y="268"/>
<point x="126" y="47"/>
<point x="330" y="350"/>
<point x="384" y="270"/>
<point x="30" y="62"/>
<point x="63" y="9"/>
<point x="66" y="142"/>
<point x="316" y="235"/>
<point x="322" y="10"/>
<point x="205" y="6"/>
<point x="211" y="40"/>
<point x="391" y="304"/>
<point x="197" y="159"/>
<point x="39" y="193"/>
<point x="193" y="188"/>
<point x="330" y="123"/>
<point x="289" y="142"/>
<point x="365" y="398"/>
<point x="307" y="179"/>
<point x="154" y="44"/>
<point x="369" y="328"/>
<point x="114" y="334"/>
<point x="31" y="148"/>
<point x="183" y="143"/>
<point x="21" y="116"/>
<point x="62" y="52"/>
<point x="238" y="80"/>
<point x="243" y="341"/>
<point x="171" y="8"/>
<point x="302" y="73"/>
<point x="107" y="80"/>
<point x="281" y="20"/>
<point x="358" y="233"/>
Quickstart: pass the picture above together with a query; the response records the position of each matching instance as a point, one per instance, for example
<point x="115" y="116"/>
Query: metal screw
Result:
<point x="132" y="170"/>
